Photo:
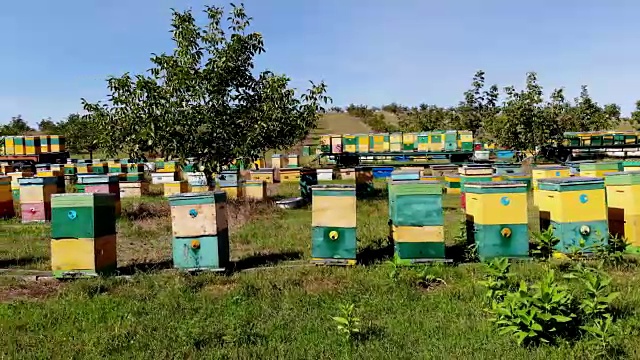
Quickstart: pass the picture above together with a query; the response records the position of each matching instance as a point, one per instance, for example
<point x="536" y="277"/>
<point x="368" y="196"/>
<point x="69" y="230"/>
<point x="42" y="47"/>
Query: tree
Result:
<point x="479" y="105"/>
<point x="48" y="127"/>
<point x="591" y="117"/>
<point x="635" y="115"/>
<point x="17" y="126"/>
<point x="524" y="128"/>
<point x="203" y="99"/>
<point x="428" y="117"/>
<point x="82" y="134"/>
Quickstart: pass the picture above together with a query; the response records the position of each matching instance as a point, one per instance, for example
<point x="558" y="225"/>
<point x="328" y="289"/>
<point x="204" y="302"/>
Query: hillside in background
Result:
<point x="341" y="123"/>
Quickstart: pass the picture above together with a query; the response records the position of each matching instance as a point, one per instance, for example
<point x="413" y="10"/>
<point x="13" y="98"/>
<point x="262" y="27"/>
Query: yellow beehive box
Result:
<point x="499" y="203"/>
<point x="256" y="190"/>
<point x="45" y="144"/>
<point x="548" y="172"/>
<point x="57" y="143"/>
<point x="133" y="189"/>
<point x="623" y="201"/>
<point x="337" y="211"/>
<point x="199" y="188"/>
<point x="49" y="173"/>
<point x="84" y="168"/>
<point x="18" y="145"/>
<point x="266" y="175"/>
<point x="234" y="191"/>
<point x="175" y="187"/>
<point x="17" y="175"/>
<point x="292" y="160"/>
<point x="289" y="175"/>
<point x="9" y="145"/>
<point x="573" y="204"/>
<point x="277" y="161"/>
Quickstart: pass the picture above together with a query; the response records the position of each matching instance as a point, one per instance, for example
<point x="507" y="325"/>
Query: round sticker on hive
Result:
<point x="584" y="198"/>
<point x="557" y="173"/>
<point x="72" y="214"/>
<point x="193" y="213"/>
<point x="505" y="201"/>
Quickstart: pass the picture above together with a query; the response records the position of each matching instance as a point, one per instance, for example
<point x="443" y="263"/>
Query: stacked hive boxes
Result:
<point x="15" y="185"/>
<point x="255" y="189"/>
<point x="83" y="234"/>
<point x="452" y="183"/>
<point x="18" y="145"/>
<point x="293" y="161"/>
<point x="229" y="181"/>
<point x="99" y="167"/>
<point x="348" y="174"/>
<point x="631" y="165"/>
<point x="267" y="175"/>
<point x="290" y="174"/>
<point x="166" y="172"/>
<point x="417" y="220"/>
<point x="442" y="170"/>
<point x="200" y="233"/>
<point x="548" y="172"/>
<point x="278" y="161"/>
<point x="623" y="200"/>
<point x="497" y="219"/>
<point x="395" y="142"/>
<point x="405" y="175"/>
<point x="35" y="198"/>
<point x="102" y="184"/>
<point x="32" y="145"/>
<point x="505" y="169"/>
<point x="57" y="143"/>
<point x="521" y="178"/>
<point x="58" y="175"/>
<point x="45" y="144"/>
<point x="197" y="182"/>
<point x="599" y="169"/>
<point x="324" y="174"/>
<point x="364" y="181"/>
<point x="333" y="221"/>
<point x="84" y="167"/>
<point x="308" y="178"/>
<point x="132" y="181"/>
<point x="474" y="173"/>
<point x="69" y="171"/>
<point x="377" y="143"/>
<point x="175" y="187"/>
<point x="6" y="198"/>
<point x="9" y="145"/>
<point x="576" y="208"/>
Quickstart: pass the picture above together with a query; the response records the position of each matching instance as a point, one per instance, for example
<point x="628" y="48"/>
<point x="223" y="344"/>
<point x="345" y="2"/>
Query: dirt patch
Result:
<point x="139" y="210"/>
<point x="29" y="290"/>
<point x="239" y="212"/>
<point x="316" y="285"/>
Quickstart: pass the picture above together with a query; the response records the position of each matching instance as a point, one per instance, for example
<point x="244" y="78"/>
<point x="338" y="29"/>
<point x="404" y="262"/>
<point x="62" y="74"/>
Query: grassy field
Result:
<point x="273" y="306"/>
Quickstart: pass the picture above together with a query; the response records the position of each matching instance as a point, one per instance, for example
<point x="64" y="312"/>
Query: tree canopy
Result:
<point x="205" y="99"/>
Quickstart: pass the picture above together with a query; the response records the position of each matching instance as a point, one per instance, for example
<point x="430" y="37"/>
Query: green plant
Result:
<point x="426" y="280"/>
<point x="540" y="315"/>
<point x="497" y="278"/>
<point x="545" y="243"/>
<point x="394" y="264"/>
<point x="612" y="252"/>
<point x="597" y="298"/>
<point x="347" y="324"/>
<point x="603" y="334"/>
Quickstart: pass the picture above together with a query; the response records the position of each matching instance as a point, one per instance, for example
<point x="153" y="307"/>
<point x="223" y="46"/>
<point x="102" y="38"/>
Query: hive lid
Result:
<point x="495" y="187"/>
<point x="276" y="155"/>
<point x="631" y="163"/>
<point x="550" y="167"/>
<point x="601" y="166"/>
<point x="291" y="169"/>
<point x="444" y="167"/>
<point x="97" y="179"/>
<point x="571" y="183"/>
<point x="516" y="175"/>
<point x="622" y="178"/>
<point x="207" y="197"/>
<point x="82" y="199"/>
<point x="45" y="180"/>
<point x="333" y="187"/>
<point x="476" y="166"/>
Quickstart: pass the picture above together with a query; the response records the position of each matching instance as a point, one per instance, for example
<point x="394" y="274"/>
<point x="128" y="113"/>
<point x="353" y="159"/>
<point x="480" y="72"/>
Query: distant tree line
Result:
<point x="514" y="118"/>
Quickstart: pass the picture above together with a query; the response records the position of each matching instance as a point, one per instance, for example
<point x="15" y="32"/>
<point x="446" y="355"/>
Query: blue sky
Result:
<point x="371" y="52"/>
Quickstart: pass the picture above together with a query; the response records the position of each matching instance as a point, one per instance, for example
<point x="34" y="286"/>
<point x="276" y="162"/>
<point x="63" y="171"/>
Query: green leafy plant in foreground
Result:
<point x="347" y="324"/>
<point x="545" y="243"/>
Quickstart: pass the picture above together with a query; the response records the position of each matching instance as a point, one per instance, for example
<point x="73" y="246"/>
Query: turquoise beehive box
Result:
<point x="200" y="232"/>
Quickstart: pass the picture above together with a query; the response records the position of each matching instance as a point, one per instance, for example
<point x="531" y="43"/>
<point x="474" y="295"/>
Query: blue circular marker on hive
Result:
<point x="72" y="214"/>
<point x="584" y="198"/>
<point x="193" y="213"/>
<point x="505" y="201"/>
<point x="557" y="173"/>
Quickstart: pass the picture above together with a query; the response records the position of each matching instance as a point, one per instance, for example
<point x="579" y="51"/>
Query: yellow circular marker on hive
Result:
<point x="333" y="235"/>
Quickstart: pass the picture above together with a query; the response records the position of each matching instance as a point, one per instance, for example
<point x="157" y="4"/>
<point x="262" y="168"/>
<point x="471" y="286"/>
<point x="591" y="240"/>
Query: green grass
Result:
<point x="276" y="307"/>
<point x="341" y="123"/>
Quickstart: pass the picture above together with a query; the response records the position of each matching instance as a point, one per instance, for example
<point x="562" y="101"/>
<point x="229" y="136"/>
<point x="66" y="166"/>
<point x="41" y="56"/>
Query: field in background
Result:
<point x="274" y="305"/>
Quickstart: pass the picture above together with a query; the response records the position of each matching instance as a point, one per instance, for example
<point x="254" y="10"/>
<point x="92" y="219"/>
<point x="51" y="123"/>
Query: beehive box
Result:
<point x="131" y="177"/>
<point x="442" y="170"/>
<point x="99" y="168"/>
<point x="576" y="208"/>
<point x="256" y="189"/>
<point x="6" y="198"/>
<point x="505" y="169"/>
<point x="167" y="167"/>
<point x="308" y="178"/>
<point x="348" y="174"/>
<point x="417" y="220"/>
<point x="70" y="169"/>
<point x="452" y="183"/>
<point x="45" y="144"/>
<point x="84" y="168"/>
<point x="599" y="169"/>
<point x="199" y="188"/>
<point x="228" y="178"/>
<point x="17" y="175"/>
<point x="197" y="179"/>
<point x="476" y="170"/>
<point x="474" y="178"/>
<point x="200" y="231"/>
<point x="115" y="167"/>
<point x="266" y="175"/>
<point x="364" y="181"/>
<point x="32" y="145"/>
<point x="58" y="175"/>
<point x="134" y="168"/>
<point x="631" y="165"/>
<point x="102" y="184"/>
<point x="324" y="174"/>
<point x="164" y="177"/>
<point x="57" y="143"/>
<point x="18" y="145"/>
<point x="623" y="201"/>
<point x="497" y="219"/>
<point x="278" y="161"/>
<point x="574" y="166"/>
<point x="134" y="189"/>
<point x="333" y="221"/>
<point x="9" y="145"/>
<point x="35" y="198"/>
<point x="289" y="174"/>
<point x="400" y="175"/>
<point x="83" y="235"/>
<point x="175" y="187"/>
<point x="293" y="161"/>
<point x="548" y="172"/>
<point x="234" y="191"/>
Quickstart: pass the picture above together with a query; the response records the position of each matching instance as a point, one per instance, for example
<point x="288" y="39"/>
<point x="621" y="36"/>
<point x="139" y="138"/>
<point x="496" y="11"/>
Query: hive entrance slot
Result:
<point x="616" y="222"/>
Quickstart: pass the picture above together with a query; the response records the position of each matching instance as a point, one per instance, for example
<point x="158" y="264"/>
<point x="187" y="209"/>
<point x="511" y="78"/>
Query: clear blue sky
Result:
<point x="371" y="52"/>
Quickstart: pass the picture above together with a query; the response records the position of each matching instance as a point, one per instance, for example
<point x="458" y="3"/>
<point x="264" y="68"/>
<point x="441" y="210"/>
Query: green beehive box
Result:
<point x="415" y="203"/>
<point x="99" y="168"/>
<point x="132" y="177"/>
<point x="602" y="166"/>
<point x="82" y="216"/>
<point x="135" y="168"/>
<point x="333" y="221"/>
<point x="308" y="178"/>
<point x="98" y="179"/>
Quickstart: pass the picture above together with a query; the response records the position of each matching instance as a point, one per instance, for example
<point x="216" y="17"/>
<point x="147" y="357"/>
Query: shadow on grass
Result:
<point x="22" y="262"/>
<point x="145" y="267"/>
<point x="458" y="253"/>
<point x="375" y="253"/>
<point x="262" y="259"/>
